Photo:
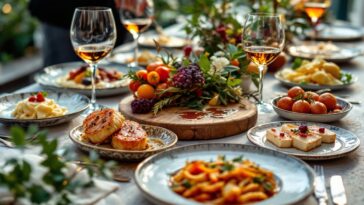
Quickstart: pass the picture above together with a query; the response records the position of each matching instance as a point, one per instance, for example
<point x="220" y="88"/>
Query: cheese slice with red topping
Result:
<point x="279" y="138"/>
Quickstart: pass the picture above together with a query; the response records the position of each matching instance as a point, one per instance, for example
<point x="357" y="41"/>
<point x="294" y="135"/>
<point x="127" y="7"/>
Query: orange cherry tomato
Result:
<point x="142" y="74"/>
<point x="235" y="62"/>
<point x="301" y="106"/>
<point x="134" y="85"/>
<point x="311" y="95"/>
<point x="163" y="72"/>
<point x="329" y="100"/>
<point x="318" y="108"/>
<point x="285" y="103"/>
<point x="153" y="66"/>
<point x="295" y="91"/>
<point x="153" y="78"/>
<point x="161" y="87"/>
<point x="146" y="91"/>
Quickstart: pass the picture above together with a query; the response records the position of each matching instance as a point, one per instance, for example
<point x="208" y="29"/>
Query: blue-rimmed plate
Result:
<point x="153" y="174"/>
<point x="346" y="141"/>
<point x="75" y="104"/>
<point x="52" y="77"/>
<point x="329" y="117"/>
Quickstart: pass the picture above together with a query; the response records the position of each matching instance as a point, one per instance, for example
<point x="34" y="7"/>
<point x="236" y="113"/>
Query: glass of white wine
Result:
<point x="315" y="9"/>
<point x="93" y="36"/>
<point x="263" y="40"/>
<point x="136" y="16"/>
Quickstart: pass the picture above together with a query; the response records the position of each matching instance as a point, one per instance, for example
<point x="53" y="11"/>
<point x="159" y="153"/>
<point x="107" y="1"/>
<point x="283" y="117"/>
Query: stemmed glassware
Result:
<point x="136" y="16"/>
<point x="315" y="9"/>
<point x="263" y="40"/>
<point x="93" y="36"/>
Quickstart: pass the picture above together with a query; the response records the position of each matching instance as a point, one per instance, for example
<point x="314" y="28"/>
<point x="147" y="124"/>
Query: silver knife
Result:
<point x="337" y="190"/>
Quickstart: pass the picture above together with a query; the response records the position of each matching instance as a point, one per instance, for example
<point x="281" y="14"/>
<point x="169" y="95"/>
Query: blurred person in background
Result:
<point x="56" y="18"/>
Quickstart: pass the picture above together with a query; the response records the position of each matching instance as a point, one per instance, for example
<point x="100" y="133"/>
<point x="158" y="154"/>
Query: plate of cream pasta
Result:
<point x="222" y="173"/>
<point x="41" y="108"/>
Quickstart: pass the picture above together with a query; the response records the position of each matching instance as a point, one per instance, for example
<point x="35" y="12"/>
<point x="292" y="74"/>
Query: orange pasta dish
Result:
<point x="235" y="181"/>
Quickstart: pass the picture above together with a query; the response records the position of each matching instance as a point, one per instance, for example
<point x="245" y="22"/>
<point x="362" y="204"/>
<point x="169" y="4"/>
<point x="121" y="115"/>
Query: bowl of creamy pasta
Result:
<point x="41" y="108"/>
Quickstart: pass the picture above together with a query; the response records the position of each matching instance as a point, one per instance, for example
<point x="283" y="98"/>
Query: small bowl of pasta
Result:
<point x="41" y="108"/>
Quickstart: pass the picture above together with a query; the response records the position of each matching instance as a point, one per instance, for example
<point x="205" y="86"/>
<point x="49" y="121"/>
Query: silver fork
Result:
<point x="320" y="188"/>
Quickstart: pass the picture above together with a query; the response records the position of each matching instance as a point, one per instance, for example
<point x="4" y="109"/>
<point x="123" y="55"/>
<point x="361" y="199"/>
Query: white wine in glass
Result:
<point x="93" y="36"/>
<point x="263" y="40"/>
<point x="315" y="9"/>
<point x="136" y="16"/>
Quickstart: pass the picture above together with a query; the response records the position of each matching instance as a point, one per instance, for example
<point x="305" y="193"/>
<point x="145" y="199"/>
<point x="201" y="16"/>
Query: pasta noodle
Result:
<point x="235" y="181"/>
<point x="38" y="110"/>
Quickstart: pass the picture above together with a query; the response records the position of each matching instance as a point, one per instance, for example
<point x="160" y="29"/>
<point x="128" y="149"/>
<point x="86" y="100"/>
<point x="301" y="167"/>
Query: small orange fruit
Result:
<point x="146" y="91"/>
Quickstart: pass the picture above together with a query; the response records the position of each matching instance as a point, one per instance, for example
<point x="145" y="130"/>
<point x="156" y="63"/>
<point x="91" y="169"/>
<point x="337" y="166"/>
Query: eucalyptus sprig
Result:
<point x="57" y="184"/>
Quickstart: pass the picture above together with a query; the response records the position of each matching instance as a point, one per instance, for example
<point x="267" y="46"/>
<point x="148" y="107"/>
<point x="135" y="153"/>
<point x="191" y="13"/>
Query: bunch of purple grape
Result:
<point x="140" y="106"/>
<point x="188" y="77"/>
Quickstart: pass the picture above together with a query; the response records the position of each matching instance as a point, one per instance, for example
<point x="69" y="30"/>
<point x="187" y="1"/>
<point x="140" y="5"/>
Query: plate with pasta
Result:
<point x="41" y="108"/>
<point x="221" y="173"/>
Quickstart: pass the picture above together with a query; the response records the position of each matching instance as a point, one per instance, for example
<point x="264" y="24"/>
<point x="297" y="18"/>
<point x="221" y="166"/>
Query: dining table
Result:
<point x="350" y="167"/>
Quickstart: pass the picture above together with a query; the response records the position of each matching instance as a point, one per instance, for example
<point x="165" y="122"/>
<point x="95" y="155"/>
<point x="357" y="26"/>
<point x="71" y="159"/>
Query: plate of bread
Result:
<point x="108" y="133"/>
<point x="306" y="140"/>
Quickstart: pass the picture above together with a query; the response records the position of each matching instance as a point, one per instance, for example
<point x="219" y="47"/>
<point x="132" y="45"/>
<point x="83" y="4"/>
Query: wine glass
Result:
<point x="263" y="40"/>
<point x="93" y="36"/>
<point x="315" y="9"/>
<point x="136" y="16"/>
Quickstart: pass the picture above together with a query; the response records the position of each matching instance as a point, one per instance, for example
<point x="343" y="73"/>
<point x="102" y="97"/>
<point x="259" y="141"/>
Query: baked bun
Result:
<point x="101" y="124"/>
<point x="131" y="136"/>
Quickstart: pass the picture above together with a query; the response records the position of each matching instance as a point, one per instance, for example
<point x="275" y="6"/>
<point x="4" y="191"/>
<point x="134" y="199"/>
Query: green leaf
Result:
<point x="45" y="94"/>
<point x="204" y="63"/>
<point x="296" y="63"/>
<point x="238" y="159"/>
<point x="18" y="136"/>
<point x="38" y="194"/>
<point x="232" y="82"/>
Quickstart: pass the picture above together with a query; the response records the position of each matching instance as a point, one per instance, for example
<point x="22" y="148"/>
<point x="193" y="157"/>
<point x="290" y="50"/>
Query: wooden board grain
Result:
<point x="241" y="119"/>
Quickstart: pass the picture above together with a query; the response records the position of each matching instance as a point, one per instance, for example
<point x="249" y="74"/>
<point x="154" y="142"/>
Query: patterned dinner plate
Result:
<point x="50" y="76"/>
<point x="75" y="104"/>
<point x="346" y="141"/>
<point x="159" y="139"/>
<point x="295" y="178"/>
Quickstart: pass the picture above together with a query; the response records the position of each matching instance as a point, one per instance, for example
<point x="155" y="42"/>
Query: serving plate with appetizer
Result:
<point x="306" y="140"/>
<point x="76" y="77"/>
<point x="42" y="108"/>
<point x="211" y="174"/>
<point x="315" y="75"/>
<point x="144" y="58"/>
<point x="163" y="41"/>
<point x="325" y="50"/>
<point x="108" y="133"/>
<point x="310" y="106"/>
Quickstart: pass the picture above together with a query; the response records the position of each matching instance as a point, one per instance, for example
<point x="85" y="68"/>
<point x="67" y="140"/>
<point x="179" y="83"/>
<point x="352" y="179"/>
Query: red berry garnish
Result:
<point x="32" y="99"/>
<point x="303" y="128"/>
<point x="322" y="130"/>
<point x="40" y="97"/>
<point x="281" y="134"/>
<point x="273" y="129"/>
<point x="187" y="50"/>
<point x="303" y="135"/>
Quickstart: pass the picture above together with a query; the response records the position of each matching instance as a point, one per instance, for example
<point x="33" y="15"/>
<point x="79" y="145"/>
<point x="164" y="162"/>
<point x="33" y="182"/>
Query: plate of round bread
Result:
<point x="108" y="133"/>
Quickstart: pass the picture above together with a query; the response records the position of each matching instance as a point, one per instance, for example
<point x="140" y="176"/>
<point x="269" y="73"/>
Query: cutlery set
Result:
<point x="337" y="189"/>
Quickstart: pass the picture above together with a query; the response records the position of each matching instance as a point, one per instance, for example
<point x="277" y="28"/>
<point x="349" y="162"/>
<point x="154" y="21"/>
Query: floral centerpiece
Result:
<point x="193" y="82"/>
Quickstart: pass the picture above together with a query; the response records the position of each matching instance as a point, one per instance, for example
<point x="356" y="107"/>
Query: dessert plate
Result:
<point x="346" y="141"/>
<point x="75" y="104"/>
<point x="330" y="117"/>
<point x="49" y="76"/>
<point x="153" y="174"/>
<point x="159" y="139"/>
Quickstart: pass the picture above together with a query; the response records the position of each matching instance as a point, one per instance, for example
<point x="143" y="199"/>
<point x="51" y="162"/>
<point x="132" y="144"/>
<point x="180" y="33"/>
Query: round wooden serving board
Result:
<point x="240" y="119"/>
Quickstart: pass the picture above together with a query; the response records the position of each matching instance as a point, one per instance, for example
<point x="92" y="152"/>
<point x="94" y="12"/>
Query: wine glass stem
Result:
<point x="260" y="86"/>
<point x="136" y="50"/>
<point x="93" y="85"/>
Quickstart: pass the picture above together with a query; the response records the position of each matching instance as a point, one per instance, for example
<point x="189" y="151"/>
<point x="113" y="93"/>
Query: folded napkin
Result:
<point x="101" y="193"/>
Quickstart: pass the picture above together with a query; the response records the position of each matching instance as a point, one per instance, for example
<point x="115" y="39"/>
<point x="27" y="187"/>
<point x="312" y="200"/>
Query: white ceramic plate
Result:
<point x="331" y="117"/>
<point x="346" y="142"/>
<point x="173" y="42"/>
<point x="155" y="134"/>
<point x="338" y="33"/>
<point x="75" y="104"/>
<point x="340" y="56"/>
<point x="47" y="78"/>
<point x="310" y="86"/>
<point x="153" y="174"/>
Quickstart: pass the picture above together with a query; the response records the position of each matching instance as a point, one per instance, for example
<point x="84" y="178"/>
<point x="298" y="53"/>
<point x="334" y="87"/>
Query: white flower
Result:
<point x="219" y="54"/>
<point x="218" y="64"/>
